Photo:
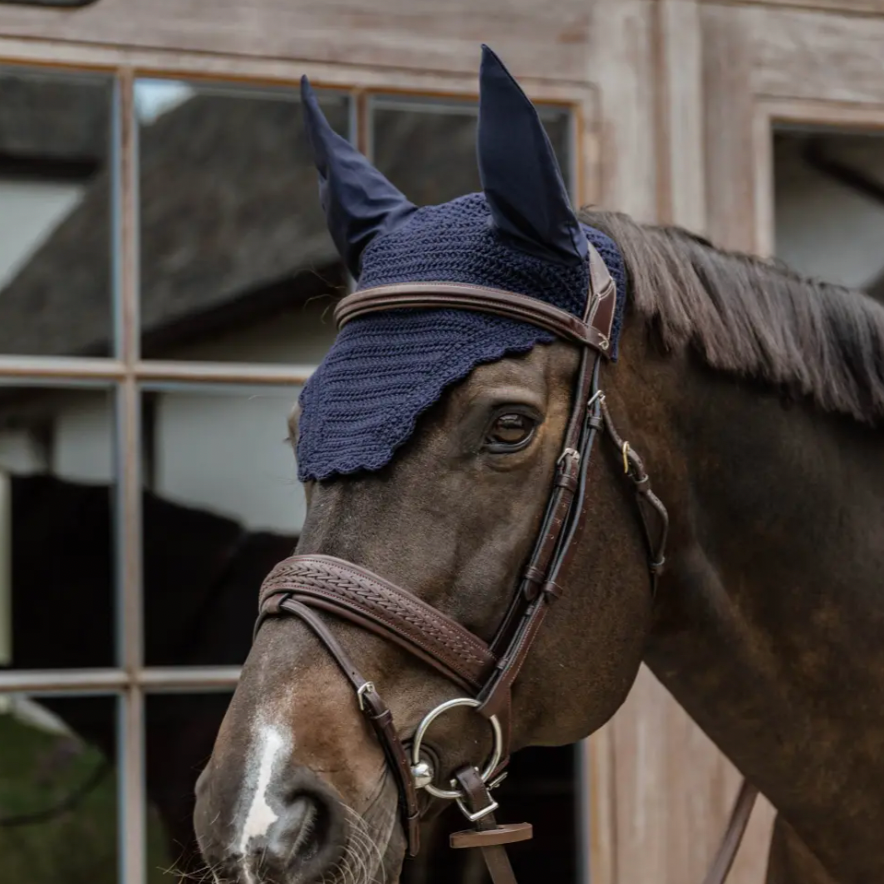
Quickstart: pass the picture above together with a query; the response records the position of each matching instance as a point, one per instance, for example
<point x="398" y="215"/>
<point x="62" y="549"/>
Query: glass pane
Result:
<point x="58" y="790"/>
<point x="829" y="205"/>
<point x="56" y="527"/>
<point x="236" y="262"/>
<point x="428" y="149"/>
<point x="222" y="507"/>
<point x="55" y="232"/>
<point x="181" y="731"/>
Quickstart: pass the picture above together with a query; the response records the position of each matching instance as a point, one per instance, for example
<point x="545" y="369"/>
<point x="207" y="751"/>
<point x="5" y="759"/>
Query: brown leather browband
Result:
<point x="364" y="598"/>
<point x="471" y="297"/>
<point x="594" y="330"/>
<point x="303" y="585"/>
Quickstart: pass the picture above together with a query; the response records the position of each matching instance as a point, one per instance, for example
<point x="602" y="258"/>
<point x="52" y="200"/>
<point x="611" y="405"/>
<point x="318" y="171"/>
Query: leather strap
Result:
<point x="553" y="548"/>
<point x="733" y="835"/>
<point x="364" y="598"/>
<point x="372" y="706"/>
<point x="458" y="296"/>
<point x="604" y="306"/>
<point x="503" y="833"/>
<point x="653" y="515"/>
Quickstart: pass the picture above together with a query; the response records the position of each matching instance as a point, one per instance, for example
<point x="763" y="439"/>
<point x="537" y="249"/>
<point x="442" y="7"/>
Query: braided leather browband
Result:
<point x="357" y="595"/>
<point x="302" y="585"/>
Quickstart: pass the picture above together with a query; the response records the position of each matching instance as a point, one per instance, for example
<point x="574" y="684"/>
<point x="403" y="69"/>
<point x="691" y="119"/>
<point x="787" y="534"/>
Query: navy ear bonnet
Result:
<point x="521" y="235"/>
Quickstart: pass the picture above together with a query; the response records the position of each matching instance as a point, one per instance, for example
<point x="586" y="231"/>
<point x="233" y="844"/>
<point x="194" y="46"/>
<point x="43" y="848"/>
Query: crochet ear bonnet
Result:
<point x="519" y="234"/>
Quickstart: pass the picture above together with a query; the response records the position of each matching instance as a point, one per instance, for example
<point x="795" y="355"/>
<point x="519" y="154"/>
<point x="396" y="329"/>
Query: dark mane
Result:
<point x="755" y="318"/>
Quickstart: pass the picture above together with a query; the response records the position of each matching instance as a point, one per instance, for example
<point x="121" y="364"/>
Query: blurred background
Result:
<point x="166" y="286"/>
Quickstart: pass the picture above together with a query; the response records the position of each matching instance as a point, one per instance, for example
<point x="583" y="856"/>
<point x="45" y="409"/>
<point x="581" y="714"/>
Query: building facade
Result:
<point x="165" y="284"/>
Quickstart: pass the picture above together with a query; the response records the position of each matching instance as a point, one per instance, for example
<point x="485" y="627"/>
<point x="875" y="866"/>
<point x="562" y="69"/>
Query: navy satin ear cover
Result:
<point x="520" y="175"/>
<point x="359" y="202"/>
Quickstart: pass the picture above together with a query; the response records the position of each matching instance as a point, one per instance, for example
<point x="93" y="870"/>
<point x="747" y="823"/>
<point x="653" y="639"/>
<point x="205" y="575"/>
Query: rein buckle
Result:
<point x="479" y="814"/>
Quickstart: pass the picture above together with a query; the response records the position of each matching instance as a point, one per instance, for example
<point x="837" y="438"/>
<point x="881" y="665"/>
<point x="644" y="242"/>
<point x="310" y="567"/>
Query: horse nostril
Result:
<point x="290" y="830"/>
<point x="305" y="841"/>
<point x="301" y="830"/>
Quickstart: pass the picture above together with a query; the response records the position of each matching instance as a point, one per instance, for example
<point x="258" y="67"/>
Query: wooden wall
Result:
<point x="726" y="74"/>
<point x="676" y="100"/>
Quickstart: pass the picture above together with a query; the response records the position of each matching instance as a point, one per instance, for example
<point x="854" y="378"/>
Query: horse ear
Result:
<point x="520" y="175"/>
<point x="358" y="201"/>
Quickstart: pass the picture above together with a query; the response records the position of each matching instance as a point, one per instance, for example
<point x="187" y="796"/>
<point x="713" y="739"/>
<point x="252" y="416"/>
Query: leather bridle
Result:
<point x="305" y="585"/>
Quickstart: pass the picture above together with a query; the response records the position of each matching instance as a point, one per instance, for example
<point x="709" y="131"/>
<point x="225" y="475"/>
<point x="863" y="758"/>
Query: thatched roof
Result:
<point x="228" y="206"/>
<point x="54" y="118"/>
<point x="230" y="220"/>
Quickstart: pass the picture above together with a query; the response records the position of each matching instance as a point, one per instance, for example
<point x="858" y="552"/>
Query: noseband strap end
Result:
<point x="413" y="833"/>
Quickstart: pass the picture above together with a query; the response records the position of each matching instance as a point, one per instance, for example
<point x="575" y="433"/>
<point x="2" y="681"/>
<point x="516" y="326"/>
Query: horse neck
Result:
<point x="769" y="620"/>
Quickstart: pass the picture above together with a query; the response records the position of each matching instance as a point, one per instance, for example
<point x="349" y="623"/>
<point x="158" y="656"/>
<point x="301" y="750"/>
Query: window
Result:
<point x="56" y="189"/>
<point x="829" y="205"/>
<point x="166" y="284"/>
<point x="236" y="263"/>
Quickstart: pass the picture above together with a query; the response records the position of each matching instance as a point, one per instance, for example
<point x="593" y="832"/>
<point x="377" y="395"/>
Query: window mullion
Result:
<point x="131" y="757"/>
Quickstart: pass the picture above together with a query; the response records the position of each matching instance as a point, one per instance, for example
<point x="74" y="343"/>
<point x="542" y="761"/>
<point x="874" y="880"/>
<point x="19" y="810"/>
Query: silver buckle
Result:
<point x="568" y="452"/>
<point x="479" y="814"/>
<point x="360" y="694"/>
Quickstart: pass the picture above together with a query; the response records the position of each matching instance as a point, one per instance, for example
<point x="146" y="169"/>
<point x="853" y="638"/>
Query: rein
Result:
<point x="303" y="586"/>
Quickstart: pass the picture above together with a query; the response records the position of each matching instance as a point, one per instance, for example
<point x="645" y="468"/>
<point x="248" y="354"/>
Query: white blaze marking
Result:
<point x="261" y="815"/>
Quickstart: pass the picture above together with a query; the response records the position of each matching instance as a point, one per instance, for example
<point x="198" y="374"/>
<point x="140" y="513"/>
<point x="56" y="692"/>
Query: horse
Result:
<point x="437" y="445"/>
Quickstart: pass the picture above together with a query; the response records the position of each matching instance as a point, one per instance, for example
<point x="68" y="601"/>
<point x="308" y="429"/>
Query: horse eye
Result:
<point x="510" y="431"/>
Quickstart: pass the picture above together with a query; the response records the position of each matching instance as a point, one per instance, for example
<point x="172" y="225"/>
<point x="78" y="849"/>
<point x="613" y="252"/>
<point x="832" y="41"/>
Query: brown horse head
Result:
<point x="435" y="444"/>
<point x="441" y="486"/>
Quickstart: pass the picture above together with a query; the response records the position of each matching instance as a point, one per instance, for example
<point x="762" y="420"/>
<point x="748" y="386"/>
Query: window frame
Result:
<point x="129" y="375"/>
